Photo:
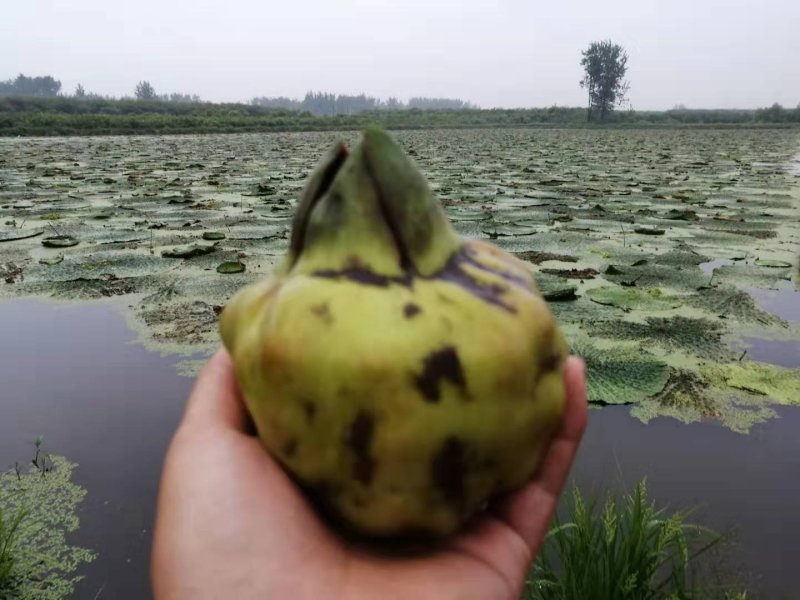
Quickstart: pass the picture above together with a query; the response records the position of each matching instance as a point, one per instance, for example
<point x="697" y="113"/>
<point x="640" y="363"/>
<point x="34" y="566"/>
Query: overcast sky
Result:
<point x="700" y="53"/>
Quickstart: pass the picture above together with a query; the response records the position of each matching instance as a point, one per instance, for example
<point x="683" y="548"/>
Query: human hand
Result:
<point x="232" y="525"/>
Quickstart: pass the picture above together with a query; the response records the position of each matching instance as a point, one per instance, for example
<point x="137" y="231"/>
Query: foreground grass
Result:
<point x="9" y="534"/>
<point x="626" y="550"/>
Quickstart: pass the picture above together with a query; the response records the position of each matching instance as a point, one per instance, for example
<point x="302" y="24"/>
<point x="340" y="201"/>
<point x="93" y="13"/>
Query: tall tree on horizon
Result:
<point x="604" y="64"/>
<point x="144" y="91"/>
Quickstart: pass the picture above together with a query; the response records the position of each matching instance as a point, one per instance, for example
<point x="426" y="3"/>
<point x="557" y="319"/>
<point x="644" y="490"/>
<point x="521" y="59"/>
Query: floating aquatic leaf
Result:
<point x="772" y="264"/>
<point x="649" y="231"/>
<point x="213" y="235"/>
<point x="779" y="384"/>
<point x="701" y="337"/>
<point x="51" y="260"/>
<point x="561" y="294"/>
<point x="750" y="275"/>
<point x="60" y="241"/>
<point x="691" y="398"/>
<point x="686" y="278"/>
<point x="19" y="234"/>
<point x="620" y="375"/>
<point x="540" y="257"/>
<point x="189" y="251"/>
<point x="680" y="256"/>
<point x="631" y="298"/>
<point x="731" y="303"/>
<point x="675" y="214"/>
<point x="231" y="267"/>
<point x="573" y="273"/>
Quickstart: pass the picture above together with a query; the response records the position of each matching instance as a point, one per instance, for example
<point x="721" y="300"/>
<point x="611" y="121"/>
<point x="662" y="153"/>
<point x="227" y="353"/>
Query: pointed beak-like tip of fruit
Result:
<point x="379" y="145"/>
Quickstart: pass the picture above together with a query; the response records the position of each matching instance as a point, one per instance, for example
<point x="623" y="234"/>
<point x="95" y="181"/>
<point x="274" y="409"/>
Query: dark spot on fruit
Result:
<point x="290" y="447"/>
<point x="468" y="255"/>
<point x="440" y="365"/>
<point x="411" y="310"/>
<point x="453" y="272"/>
<point x="311" y="410"/>
<point x="360" y="442"/>
<point x="448" y="470"/>
<point x="363" y="275"/>
<point x="549" y="363"/>
<point x="323" y="311"/>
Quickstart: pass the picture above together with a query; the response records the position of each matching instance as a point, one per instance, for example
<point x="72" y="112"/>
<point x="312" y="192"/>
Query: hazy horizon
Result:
<point x="737" y="54"/>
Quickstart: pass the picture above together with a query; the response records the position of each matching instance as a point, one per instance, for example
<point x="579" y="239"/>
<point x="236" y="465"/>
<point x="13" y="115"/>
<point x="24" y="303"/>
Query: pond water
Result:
<point x="75" y="374"/>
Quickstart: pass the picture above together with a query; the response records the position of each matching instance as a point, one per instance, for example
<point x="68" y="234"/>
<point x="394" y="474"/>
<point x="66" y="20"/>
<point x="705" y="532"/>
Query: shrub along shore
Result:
<point x="42" y="116"/>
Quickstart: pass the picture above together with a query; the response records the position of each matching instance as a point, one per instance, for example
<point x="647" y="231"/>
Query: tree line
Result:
<point x="36" y="106"/>
<point x="325" y="103"/>
<point x="316" y="103"/>
<point x="70" y="116"/>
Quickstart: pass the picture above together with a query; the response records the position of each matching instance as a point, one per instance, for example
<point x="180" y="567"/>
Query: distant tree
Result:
<point x="774" y="114"/>
<point x="177" y="97"/>
<point x="30" y="86"/>
<point x="604" y="64"/>
<point x="439" y="103"/>
<point x="393" y="103"/>
<point x="144" y="91"/>
<point x="80" y="92"/>
<point x="328" y="104"/>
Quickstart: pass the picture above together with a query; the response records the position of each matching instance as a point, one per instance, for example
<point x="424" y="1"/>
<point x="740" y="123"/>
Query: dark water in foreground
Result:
<point x="74" y="374"/>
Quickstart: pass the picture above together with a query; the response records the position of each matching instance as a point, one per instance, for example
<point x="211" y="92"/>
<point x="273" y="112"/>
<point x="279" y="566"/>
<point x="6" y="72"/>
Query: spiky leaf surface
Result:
<point x="701" y="337"/>
<point x="621" y="375"/>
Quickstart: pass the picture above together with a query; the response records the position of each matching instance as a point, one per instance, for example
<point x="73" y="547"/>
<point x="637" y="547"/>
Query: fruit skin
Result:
<point x="400" y="373"/>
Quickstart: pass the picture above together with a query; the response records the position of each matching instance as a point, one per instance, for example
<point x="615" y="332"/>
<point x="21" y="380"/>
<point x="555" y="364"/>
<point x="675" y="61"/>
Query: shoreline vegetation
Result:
<point x="62" y="115"/>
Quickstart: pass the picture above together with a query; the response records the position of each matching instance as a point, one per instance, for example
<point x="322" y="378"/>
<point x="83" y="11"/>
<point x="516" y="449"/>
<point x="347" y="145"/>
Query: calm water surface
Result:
<point x="75" y="375"/>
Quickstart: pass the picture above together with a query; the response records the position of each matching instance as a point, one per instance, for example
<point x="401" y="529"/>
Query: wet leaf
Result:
<point x="19" y="234"/>
<point x="620" y="375"/>
<point x="631" y="298"/>
<point x="60" y="241"/>
<point x="231" y="267"/>
<point x="188" y="251"/>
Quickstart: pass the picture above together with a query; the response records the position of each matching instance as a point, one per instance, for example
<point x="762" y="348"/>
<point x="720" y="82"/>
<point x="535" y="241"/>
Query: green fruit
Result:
<point x="402" y="374"/>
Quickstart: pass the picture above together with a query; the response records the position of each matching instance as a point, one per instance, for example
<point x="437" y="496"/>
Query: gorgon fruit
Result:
<point x="401" y="374"/>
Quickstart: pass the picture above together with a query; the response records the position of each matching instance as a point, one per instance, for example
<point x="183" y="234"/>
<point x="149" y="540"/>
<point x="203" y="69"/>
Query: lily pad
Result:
<point x="731" y="303"/>
<point x="649" y="231"/>
<point x="780" y="385"/>
<point x="621" y="375"/>
<point x="773" y="264"/>
<point x="189" y="251"/>
<point x="233" y="266"/>
<point x="538" y="258"/>
<point x="60" y="241"/>
<point x="213" y="235"/>
<point x="573" y="273"/>
<point x="631" y="298"/>
<point x="51" y="260"/>
<point x="560" y="294"/>
<point x="19" y="234"/>
<point x="701" y="337"/>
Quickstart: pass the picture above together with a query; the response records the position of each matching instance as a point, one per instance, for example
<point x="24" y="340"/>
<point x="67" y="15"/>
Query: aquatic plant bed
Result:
<point x="648" y="244"/>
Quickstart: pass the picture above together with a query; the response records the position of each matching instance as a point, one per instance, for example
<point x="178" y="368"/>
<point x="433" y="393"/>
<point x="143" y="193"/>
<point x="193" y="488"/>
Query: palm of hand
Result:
<point x="231" y="524"/>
